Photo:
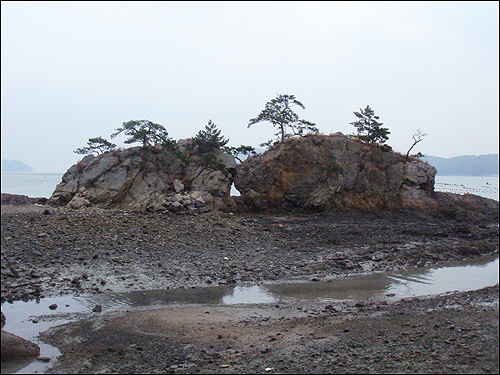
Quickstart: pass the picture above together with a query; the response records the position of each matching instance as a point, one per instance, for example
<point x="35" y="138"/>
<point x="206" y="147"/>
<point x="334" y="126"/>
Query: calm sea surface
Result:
<point x="479" y="185"/>
<point x="34" y="184"/>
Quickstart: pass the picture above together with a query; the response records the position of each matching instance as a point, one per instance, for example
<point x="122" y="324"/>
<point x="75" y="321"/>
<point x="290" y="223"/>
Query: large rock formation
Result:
<point x="335" y="172"/>
<point x="315" y="172"/>
<point x="142" y="178"/>
<point x="332" y="172"/>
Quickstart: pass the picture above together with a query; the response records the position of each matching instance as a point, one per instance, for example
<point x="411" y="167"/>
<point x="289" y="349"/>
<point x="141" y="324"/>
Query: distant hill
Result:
<point x="465" y="165"/>
<point x="15" y="166"/>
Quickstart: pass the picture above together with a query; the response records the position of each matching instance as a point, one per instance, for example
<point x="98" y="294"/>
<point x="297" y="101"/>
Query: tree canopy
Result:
<point x="97" y="144"/>
<point x="144" y="131"/>
<point x="241" y="150"/>
<point x="369" y="129"/>
<point x="210" y="138"/>
<point x="279" y="112"/>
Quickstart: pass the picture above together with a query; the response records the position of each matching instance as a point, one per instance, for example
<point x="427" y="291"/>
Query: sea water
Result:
<point x="478" y="185"/>
<point x="35" y="184"/>
<point x="32" y="184"/>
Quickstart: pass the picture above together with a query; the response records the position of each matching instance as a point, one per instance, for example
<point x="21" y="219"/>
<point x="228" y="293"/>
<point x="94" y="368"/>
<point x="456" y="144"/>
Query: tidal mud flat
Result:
<point x="452" y="333"/>
<point x="56" y="251"/>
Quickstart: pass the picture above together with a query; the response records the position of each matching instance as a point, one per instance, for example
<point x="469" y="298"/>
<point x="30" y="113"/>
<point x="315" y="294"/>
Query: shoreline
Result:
<point x="58" y="251"/>
<point x="52" y="251"/>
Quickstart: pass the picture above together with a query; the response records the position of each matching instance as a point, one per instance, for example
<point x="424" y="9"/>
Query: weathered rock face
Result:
<point x="140" y="178"/>
<point x="333" y="172"/>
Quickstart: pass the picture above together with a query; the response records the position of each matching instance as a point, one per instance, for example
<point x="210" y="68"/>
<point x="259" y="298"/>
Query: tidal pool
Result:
<point x="28" y="319"/>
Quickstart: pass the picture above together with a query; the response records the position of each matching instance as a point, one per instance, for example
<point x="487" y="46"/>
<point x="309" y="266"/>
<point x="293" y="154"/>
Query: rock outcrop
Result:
<point x="149" y="178"/>
<point x="332" y="172"/>
<point x="20" y="200"/>
<point x="314" y="172"/>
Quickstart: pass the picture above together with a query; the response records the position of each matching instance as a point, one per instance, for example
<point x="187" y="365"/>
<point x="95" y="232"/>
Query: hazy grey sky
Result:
<point x="76" y="70"/>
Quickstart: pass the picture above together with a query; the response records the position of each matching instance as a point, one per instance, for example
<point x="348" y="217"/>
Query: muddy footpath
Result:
<point x="48" y="252"/>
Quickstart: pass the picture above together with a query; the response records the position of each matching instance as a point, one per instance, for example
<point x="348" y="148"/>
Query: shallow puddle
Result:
<point x="21" y="316"/>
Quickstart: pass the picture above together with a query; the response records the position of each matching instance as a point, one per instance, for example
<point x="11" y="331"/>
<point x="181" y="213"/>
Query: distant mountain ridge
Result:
<point x="465" y="165"/>
<point x="15" y="166"/>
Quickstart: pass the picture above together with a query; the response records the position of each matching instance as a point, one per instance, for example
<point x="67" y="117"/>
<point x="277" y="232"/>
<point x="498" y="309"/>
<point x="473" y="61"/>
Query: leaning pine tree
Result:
<point x="279" y="112"/>
<point x="97" y="144"/>
<point x="146" y="132"/>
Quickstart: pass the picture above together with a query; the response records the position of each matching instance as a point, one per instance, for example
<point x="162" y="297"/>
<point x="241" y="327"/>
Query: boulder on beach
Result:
<point x="15" y="347"/>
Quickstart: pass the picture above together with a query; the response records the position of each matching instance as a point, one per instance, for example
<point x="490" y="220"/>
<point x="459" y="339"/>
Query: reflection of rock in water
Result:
<point x="350" y="288"/>
<point x="206" y="295"/>
<point x="412" y="282"/>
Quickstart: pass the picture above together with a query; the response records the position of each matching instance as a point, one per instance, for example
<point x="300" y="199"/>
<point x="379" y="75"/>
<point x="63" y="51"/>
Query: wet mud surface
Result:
<point x="49" y="252"/>
<point x="454" y="333"/>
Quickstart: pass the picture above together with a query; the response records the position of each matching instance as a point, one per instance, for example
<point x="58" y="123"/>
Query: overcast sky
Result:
<point x="76" y="70"/>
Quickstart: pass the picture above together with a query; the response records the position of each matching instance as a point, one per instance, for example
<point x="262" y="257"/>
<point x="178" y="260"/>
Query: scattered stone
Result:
<point x="178" y="186"/>
<point x="34" y="274"/>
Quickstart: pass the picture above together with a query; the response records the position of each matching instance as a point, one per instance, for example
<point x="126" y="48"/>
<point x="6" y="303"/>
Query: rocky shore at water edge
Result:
<point x="52" y="251"/>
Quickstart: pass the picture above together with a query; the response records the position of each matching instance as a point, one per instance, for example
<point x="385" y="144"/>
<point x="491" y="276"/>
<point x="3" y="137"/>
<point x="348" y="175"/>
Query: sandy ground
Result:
<point x="47" y="252"/>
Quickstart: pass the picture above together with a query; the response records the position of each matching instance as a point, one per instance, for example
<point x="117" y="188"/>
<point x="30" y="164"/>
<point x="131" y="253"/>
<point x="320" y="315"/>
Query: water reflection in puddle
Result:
<point x="395" y="285"/>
